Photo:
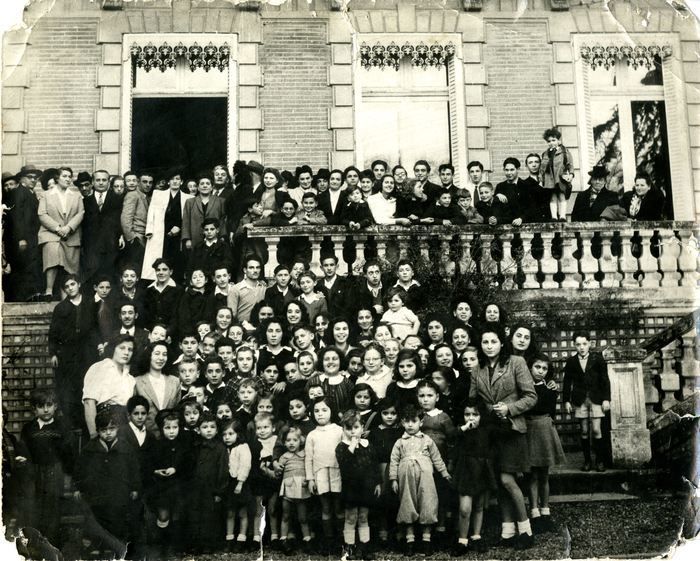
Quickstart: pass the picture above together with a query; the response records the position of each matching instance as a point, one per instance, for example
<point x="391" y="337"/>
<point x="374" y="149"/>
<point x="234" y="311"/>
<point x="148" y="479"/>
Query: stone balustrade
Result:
<point x="628" y="255"/>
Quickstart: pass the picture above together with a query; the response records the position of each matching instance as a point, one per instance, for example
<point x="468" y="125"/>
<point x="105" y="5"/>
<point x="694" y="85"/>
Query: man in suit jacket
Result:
<point x="421" y="170"/>
<point x="128" y="316"/>
<point x="133" y="221"/>
<point x="20" y="238"/>
<point x="222" y="183"/>
<point x="332" y="201"/>
<point x="369" y="293"/>
<point x="587" y="393"/>
<point x="101" y="230"/>
<point x="591" y="203"/>
<point x="334" y="288"/>
<point x="204" y="205"/>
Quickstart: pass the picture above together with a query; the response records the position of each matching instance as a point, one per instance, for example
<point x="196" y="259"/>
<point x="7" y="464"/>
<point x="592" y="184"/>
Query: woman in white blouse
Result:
<point x="383" y="204"/>
<point x="161" y="390"/>
<point x="108" y="381"/>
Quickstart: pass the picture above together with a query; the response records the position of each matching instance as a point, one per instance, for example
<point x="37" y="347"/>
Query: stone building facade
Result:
<point x="295" y="89"/>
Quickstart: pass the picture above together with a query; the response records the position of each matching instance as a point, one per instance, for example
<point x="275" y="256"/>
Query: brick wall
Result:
<point x="63" y="95"/>
<point x="519" y="93"/>
<point x="295" y="97"/>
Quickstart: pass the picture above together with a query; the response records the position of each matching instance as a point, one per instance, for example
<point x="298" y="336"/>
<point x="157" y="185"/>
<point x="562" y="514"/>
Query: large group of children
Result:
<point x="300" y="428"/>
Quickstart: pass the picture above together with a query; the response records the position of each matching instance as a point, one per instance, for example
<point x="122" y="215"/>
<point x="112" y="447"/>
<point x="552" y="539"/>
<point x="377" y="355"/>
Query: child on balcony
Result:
<point x="355" y="213"/>
<point x="556" y="161"/>
<point x="494" y="211"/>
<point x="468" y="212"/>
<point x="443" y="212"/>
<point x="587" y="394"/>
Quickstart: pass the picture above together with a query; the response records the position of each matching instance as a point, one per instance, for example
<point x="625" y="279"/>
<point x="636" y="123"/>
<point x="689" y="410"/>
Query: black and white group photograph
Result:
<point x="350" y="280"/>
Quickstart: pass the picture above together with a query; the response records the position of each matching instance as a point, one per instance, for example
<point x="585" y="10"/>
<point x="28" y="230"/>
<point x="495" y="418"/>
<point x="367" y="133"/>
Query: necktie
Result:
<point x="100" y="200"/>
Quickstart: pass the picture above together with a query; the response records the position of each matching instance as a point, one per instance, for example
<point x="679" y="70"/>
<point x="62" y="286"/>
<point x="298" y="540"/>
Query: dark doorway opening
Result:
<point x="189" y="133"/>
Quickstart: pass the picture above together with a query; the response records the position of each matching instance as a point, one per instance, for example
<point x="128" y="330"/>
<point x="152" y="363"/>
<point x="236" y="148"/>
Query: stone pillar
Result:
<point x="629" y="436"/>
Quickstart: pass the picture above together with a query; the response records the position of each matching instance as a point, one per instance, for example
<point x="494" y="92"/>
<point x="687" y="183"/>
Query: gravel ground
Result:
<point x="623" y="529"/>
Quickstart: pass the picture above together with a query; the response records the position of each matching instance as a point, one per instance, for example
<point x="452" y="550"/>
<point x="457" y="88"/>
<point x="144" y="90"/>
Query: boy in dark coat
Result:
<point x="443" y="212"/>
<point x="212" y="252"/>
<point x="108" y="477"/>
<point x="355" y="213"/>
<point x="587" y="393"/>
<point x="490" y="208"/>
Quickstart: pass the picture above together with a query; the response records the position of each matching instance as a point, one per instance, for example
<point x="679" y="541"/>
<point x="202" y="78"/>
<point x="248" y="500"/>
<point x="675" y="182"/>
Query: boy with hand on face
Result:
<point x="443" y="212"/>
<point x="464" y="204"/>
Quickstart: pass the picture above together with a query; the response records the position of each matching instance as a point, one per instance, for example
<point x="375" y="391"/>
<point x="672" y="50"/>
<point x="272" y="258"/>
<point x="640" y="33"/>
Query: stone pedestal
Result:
<point x="629" y="436"/>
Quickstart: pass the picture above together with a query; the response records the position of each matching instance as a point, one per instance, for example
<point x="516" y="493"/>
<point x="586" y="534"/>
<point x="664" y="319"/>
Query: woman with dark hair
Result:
<point x="269" y="192"/>
<point x="161" y="390"/>
<point x="363" y="328"/>
<point x="108" y="381"/>
<point x="339" y="331"/>
<point x="117" y="185"/>
<point x="383" y="204"/>
<point x="261" y="311"/>
<point x="493" y="312"/>
<point x="272" y="338"/>
<point x="162" y="297"/>
<point x="197" y="209"/>
<point x="644" y="202"/>
<point x="505" y="385"/>
<point x="463" y="310"/>
<point x="294" y="314"/>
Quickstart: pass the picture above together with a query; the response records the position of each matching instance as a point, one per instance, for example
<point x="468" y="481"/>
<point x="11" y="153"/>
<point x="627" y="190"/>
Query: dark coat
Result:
<point x="356" y="212"/>
<point x="101" y="232"/>
<point x="433" y="190"/>
<point x="594" y="383"/>
<point x="209" y="258"/>
<point x="336" y="297"/>
<point x="191" y="308"/>
<point x="523" y="200"/>
<point x="235" y="205"/>
<point x="143" y="452"/>
<point x="21" y="223"/>
<point x="498" y="209"/>
<point x="585" y="212"/>
<point x="441" y="213"/>
<point x="194" y="215"/>
<point x="278" y="300"/>
<point x="324" y="205"/>
<point x="406" y="207"/>
<point x="106" y="478"/>
<point x="652" y="207"/>
<point x="161" y="307"/>
<point x="359" y="296"/>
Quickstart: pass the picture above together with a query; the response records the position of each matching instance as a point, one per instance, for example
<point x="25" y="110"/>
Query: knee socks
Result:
<point x="586" y="447"/>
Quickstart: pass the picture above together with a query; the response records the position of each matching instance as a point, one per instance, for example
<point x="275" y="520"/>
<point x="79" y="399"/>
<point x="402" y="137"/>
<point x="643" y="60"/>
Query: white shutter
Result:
<point x="457" y="119"/>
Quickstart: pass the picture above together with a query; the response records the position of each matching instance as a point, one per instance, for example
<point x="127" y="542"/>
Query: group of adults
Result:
<point x="92" y="224"/>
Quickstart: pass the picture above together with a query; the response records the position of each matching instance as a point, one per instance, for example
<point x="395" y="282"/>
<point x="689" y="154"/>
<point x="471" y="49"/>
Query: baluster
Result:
<point x="648" y="264"/>
<point x="628" y="263"/>
<point x="569" y="263"/>
<point x="403" y="242"/>
<point x="424" y="246"/>
<point x="668" y="259"/>
<point x="315" y="264"/>
<point x="272" y="242"/>
<point x="528" y="263"/>
<point x="688" y="259"/>
<point x="381" y="246"/>
<point x="589" y="264"/>
<point x="608" y="262"/>
<point x="445" y="240"/>
<point x="488" y="265"/>
<point x="669" y="378"/>
<point x="690" y="368"/>
<point x="651" y="394"/>
<point x="507" y="266"/>
<point x="466" y="262"/>
<point x="360" y="240"/>
<point x="338" y="240"/>
<point x="549" y="265"/>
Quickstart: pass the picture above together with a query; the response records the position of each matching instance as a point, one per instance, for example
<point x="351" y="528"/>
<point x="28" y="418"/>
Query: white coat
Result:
<point x="155" y="229"/>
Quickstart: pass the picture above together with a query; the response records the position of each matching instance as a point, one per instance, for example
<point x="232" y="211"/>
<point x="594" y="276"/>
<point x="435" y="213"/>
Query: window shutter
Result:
<point x="681" y="180"/>
<point x="458" y="133"/>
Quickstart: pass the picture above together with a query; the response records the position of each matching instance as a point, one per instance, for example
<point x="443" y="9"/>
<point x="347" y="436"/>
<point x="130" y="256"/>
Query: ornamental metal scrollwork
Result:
<point x="390" y="56"/>
<point x="598" y="56"/>
<point x="165" y="56"/>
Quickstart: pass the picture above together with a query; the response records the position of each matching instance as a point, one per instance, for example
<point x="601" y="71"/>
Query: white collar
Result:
<point x="136" y="429"/>
<point x="419" y="434"/>
<point x="363" y="442"/>
<point x="217" y="290"/>
<point x="433" y="413"/>
<point x="42" y="424"/>
<point x="131" y="331"/>
<point x="209" y="244"/>
<point x="97" y="298"/>
<point x="407" y="385"/>
<point x="154" y="284"/>
<point x="413" y="282"/>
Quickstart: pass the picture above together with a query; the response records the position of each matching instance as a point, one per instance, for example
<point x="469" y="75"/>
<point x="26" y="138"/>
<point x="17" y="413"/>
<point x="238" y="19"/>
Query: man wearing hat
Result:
<point x="20" y="236"/>
<point x="591" y="203"/>
<point x="84" y="183"/>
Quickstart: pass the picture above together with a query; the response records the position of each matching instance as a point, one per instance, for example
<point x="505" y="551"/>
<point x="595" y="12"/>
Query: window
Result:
<point x="178" y="93"/>
<point x="630" y="121"/>
<point x="406" y="110"/>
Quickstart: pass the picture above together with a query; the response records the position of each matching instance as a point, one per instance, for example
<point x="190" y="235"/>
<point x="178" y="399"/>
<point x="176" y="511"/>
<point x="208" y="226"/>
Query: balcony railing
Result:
<point x="558" y="255"/>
